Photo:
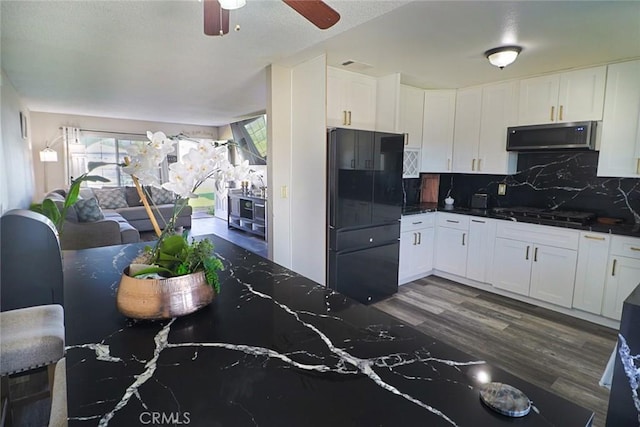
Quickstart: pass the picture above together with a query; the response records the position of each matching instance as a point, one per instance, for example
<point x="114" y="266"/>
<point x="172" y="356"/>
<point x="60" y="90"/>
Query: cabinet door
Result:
<point x="361" y="102"/>
<point x="620" y="143"/>
<point x="437" y="130"/>
<point x="581" y="95"/>
<point x="591" y="271"/>
<point x="499" y="111"/>
<point x="336" y="97"/>
<point x="553" y="275"/>
<point x="623" y="277"/>
<point x="451" y="251"/>
<point x="466" y="130"/>
<point x="538" y="100"/>
<point x="512" y="265"/>
<point x="411" y="163"/>
<point x="411" y="114"/>
<point x="424" y="250"/>
<point x="407" y="264"/>
<point x="479" y="239"/>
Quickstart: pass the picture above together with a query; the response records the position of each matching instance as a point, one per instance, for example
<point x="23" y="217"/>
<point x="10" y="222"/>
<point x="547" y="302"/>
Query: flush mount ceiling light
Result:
<point x="232" y="4"/>
<point x="502" y="56"/>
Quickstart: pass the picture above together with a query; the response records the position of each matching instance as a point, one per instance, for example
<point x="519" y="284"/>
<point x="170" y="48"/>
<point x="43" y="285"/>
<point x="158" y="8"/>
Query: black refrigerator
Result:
<point x="364" y="202"/>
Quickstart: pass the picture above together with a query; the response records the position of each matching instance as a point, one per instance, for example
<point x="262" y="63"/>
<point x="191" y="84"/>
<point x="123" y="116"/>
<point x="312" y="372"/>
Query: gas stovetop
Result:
<point x="549" y="216"/>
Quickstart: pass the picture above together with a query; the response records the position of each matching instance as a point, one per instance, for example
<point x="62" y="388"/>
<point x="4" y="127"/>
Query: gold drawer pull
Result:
<point x="553" y="109"/>
<point x="527" y="255"/>
<point x="613" y="270"/>
<point x="633" y="248"/>
<point x="560" y="112"/>
<point x="593" y="237"/>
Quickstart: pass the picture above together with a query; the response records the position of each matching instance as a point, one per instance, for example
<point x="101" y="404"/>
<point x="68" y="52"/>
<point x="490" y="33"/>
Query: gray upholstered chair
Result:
<point x="30" y="261"/>
<point x="31" y="338"/>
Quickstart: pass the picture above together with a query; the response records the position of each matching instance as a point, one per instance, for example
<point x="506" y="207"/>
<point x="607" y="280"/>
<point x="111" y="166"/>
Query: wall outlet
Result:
<point x="502" y="189"/>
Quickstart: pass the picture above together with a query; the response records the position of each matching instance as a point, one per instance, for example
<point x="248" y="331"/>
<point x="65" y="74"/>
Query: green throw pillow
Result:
<point x="88" y="210"/>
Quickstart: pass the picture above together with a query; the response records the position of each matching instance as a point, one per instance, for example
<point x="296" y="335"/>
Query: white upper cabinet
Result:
<point x="466" y="133"/>
<point x="388" y="104"/>
<point x="411" y="114"/>
<point x="437" y="130"/>
<point x="480" y="135"/>
<point x="620" y="142"/>
<point x="565" y="97"/>
<point x="351" y="99"/>
<point x="499" y="111"/>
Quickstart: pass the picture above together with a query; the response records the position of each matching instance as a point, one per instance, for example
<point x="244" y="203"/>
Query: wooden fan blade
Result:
<point x="316" y="11"/>
<point x="216" y="19"/>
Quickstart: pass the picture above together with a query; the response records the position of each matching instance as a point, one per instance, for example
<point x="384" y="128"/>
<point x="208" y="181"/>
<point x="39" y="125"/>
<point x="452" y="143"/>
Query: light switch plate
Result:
<point x="502" y="189"/>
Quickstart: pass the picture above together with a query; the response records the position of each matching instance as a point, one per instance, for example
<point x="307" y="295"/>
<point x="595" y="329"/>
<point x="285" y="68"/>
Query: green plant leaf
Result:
<point x="173" y="245"/>
<point x="51" y="211"/>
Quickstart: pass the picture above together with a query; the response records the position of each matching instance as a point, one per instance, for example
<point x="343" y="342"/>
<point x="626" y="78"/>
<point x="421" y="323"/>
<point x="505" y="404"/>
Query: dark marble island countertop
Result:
<point x="273" y="349"/>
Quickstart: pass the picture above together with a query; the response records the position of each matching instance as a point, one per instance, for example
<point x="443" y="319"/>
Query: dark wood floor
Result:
<point x="556" y="352"/>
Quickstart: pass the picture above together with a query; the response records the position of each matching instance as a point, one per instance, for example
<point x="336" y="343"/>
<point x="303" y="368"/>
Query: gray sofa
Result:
<point x="123" y="219"/>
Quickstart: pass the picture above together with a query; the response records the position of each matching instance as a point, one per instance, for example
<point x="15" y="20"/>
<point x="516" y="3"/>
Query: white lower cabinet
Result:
<point x="512" y="265"/>
<point x="416" y="246"/>
<point x="527" y="267"/>
<point x="623" y="274"/>
<point x="591" y="271"/>
<point x="452" y="237"/>
<point x="553" y="272"/>
<point x="482" y="236"/>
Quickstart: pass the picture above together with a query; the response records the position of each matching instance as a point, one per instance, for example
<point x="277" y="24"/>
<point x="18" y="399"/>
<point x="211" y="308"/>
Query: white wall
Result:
<point x="16" y="168"/>
<point x="46" y="127"/>
<point x="297" y="139"/>
<point x="279" y="164"/>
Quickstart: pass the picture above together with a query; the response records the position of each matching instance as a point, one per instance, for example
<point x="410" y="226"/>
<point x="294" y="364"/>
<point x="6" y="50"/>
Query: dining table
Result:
<point x="274" y="348"/>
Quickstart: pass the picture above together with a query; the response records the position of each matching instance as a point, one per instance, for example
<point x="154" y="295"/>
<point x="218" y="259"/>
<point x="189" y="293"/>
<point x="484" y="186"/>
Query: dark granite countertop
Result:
<point x="273" y="349"/>
<point x="619" y="229"/>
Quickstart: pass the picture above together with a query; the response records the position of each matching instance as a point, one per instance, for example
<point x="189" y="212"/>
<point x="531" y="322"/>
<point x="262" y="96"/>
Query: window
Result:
<point x="99" y="148"/>
<point x="251" y="136"/>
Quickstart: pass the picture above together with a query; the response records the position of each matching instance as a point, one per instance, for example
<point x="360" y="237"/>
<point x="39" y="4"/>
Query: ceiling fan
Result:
<point x="216" y="18"/>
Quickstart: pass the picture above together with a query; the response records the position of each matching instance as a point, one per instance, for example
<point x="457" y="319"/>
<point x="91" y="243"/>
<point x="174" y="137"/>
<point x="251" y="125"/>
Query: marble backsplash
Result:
<point x="552" y="180"/>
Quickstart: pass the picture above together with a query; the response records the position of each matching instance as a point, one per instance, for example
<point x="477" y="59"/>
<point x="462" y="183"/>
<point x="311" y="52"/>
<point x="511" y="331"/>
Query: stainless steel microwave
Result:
<point x="573" y="135"/>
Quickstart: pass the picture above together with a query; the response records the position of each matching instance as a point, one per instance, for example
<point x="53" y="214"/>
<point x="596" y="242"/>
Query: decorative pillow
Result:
<point x="111" y="198"/>
<point x="162" y="196"/>
<point x="88" y="210"/>
<point x="132" y="196"/>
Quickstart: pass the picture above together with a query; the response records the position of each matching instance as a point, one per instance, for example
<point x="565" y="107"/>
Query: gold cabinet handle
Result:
<point x="553" y="109"/>
<point x="535" y="255"/>
<point x="349" y="116"/>
<point x="406" y="139"/>
<point x="638" y="166"/>
<point x="481" y="222"/>
<point x="344" y="117"/>
<point x="593" y="237"/>
<point x="633" y="248"/>
<point x="526" y="256"/>
<point x="479" y="167"/>
<point x="415" y="238"/>
<point x="455" y="222"/>
<point x="613" y="270"/>
<point x="473" y="164"/>
<point x="560" y="112"/>
<point x="419" y="238"/>
<point x="463" y="236"/>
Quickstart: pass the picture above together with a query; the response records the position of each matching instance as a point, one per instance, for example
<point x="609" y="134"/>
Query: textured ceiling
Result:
<point x="150" y="60"/>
